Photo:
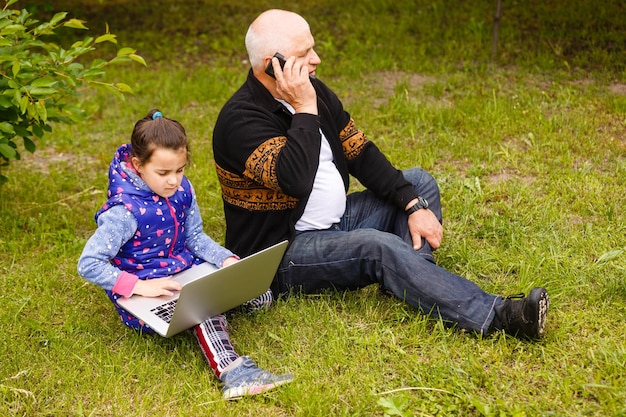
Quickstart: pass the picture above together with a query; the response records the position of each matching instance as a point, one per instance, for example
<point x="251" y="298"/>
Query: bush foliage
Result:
<point x="38" y="77"/>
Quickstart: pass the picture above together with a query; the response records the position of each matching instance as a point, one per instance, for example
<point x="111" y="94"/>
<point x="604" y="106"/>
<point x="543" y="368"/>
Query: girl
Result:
<point x="149" y="229"/>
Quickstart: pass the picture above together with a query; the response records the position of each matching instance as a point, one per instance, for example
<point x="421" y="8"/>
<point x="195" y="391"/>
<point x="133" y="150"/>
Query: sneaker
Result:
<point x="243" y="377"/>
<point x="523" y="317"/>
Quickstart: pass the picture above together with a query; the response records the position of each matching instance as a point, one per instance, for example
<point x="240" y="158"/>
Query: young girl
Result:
<point x="149" y="229"/>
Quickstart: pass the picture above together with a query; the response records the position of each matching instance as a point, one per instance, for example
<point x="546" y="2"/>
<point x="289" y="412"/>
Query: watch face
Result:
<point x="422" y="203"/>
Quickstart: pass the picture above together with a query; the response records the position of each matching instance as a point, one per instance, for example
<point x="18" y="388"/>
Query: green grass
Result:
<point x="529" y="151"/>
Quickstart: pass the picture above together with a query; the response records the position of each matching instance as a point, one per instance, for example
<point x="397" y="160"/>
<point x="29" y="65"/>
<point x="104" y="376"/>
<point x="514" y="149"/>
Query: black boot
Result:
<point x="523" y="317"/>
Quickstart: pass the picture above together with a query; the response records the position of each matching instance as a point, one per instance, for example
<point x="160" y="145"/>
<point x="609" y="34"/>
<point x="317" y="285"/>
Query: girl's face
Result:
<point x="164" y="171"/>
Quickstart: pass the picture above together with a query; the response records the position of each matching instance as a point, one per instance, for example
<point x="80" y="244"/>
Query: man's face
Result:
<point x="303" y="49"/>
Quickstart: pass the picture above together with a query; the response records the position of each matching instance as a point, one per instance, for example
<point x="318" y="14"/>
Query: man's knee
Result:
<point x="377" y="242"/>
<point x="421" y="179"/>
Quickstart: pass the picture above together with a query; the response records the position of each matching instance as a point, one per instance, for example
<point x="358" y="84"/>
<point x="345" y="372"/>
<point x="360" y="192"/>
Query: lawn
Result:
<point x="528" y="146"/>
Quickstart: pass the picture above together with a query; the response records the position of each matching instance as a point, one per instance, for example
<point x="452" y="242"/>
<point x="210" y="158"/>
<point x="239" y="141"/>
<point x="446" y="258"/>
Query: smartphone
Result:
<point x="269" y="70"/>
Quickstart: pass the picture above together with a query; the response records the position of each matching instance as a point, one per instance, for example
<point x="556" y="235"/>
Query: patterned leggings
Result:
<point x="212" y="335"/>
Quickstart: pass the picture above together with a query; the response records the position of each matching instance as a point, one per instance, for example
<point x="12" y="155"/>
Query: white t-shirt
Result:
<point x="327" y="201"/>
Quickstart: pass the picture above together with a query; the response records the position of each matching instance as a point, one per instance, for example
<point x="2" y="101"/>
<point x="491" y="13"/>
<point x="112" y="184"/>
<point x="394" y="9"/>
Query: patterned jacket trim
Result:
<point x="353" y="140"/>
<point x="245" y="192"/>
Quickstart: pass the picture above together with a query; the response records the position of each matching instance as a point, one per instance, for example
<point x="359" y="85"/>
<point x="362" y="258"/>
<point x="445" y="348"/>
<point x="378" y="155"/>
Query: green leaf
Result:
<point x="84" y="43"/>
<point x="117" y="59"/>
<point x="43" y="82"/>
<point x="37" y="130"/>
<point x="7" y="152"/>
<point x="40" y="106"/>
<point x="41" y="91"/>
<point x="29" y="145"/>
<point x="5" y="102"/>
<point x="392" y="406"/>
<point x="16" y="68"/>
<point x="57" y="18"/>
<point x="98" y="63"/>
<point x="74" y="67"/>
<point x="75" y="24"/>
<point x="109" y="37"/>
<point x="126" y="51"/>
<point x="93" y="72"/>
<point x="110" y="88"/>
<point x="137" y="58"/>
<point x="22" y="131"/>
<point x="24" y="101"/>
<point x="7" y="58"/>
<point x="7" y="127"/>
<point x="43" y="29"/>
<point x="11" y="29"/>
<point x="124" y="88"/>
<point x="5" y="13"/>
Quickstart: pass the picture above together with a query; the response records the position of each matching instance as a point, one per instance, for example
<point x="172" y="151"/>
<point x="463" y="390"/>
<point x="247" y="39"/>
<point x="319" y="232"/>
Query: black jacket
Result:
<point x="266" y="160"/>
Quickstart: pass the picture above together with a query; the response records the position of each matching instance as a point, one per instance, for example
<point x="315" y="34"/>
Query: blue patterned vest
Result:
<point x="158" y="248"/>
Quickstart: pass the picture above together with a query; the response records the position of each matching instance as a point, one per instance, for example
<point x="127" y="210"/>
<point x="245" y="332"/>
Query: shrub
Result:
<point x="38" y="77"/>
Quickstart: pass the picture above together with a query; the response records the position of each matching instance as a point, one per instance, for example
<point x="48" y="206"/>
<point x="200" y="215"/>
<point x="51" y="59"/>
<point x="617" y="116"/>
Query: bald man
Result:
<point x="285" y="148"/>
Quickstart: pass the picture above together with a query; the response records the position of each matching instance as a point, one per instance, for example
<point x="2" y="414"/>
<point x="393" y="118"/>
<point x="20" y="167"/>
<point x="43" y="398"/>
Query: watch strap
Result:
<point x="420" y="204"/>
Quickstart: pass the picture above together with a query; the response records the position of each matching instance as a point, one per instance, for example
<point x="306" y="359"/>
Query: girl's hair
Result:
<point x="155" y="131"/>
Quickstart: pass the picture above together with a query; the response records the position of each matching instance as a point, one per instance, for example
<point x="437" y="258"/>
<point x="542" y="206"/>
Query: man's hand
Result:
<point x="156" y="287"/>
<point x="424" y="224"/>
<point x="294" y="86"/>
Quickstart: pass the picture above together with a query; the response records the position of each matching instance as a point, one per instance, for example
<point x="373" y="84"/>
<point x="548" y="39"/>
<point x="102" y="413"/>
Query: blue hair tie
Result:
<point x="156" y="115"/>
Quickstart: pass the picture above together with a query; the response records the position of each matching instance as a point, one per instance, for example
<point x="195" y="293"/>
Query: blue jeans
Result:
<point x="372" y="245"/>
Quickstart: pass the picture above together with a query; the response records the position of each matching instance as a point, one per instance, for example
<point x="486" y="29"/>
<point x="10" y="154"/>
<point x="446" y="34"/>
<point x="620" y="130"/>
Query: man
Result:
<point x="284" y="149"/>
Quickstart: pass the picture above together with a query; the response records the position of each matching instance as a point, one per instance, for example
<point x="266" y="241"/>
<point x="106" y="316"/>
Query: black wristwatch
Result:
<point x="421" y="204"/>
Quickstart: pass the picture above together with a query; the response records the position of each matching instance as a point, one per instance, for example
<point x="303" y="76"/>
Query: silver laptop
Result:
<point x="207" y="291"/>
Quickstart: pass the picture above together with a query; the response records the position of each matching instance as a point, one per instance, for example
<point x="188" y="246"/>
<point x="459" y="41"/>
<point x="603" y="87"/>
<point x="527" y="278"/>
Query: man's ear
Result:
<point x="267" y="63"/>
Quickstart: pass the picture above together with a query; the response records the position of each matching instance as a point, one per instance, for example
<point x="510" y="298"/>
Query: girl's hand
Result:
<point x="156" y="287"/>
<point x="229" y="261"/>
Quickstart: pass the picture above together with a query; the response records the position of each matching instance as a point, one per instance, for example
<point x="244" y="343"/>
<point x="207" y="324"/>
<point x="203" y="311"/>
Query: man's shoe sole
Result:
<point x="540" y="298"/>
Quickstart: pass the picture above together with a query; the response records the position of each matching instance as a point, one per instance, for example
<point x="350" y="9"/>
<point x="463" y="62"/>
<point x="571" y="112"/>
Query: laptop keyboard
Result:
<point x="165" y="311"/>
